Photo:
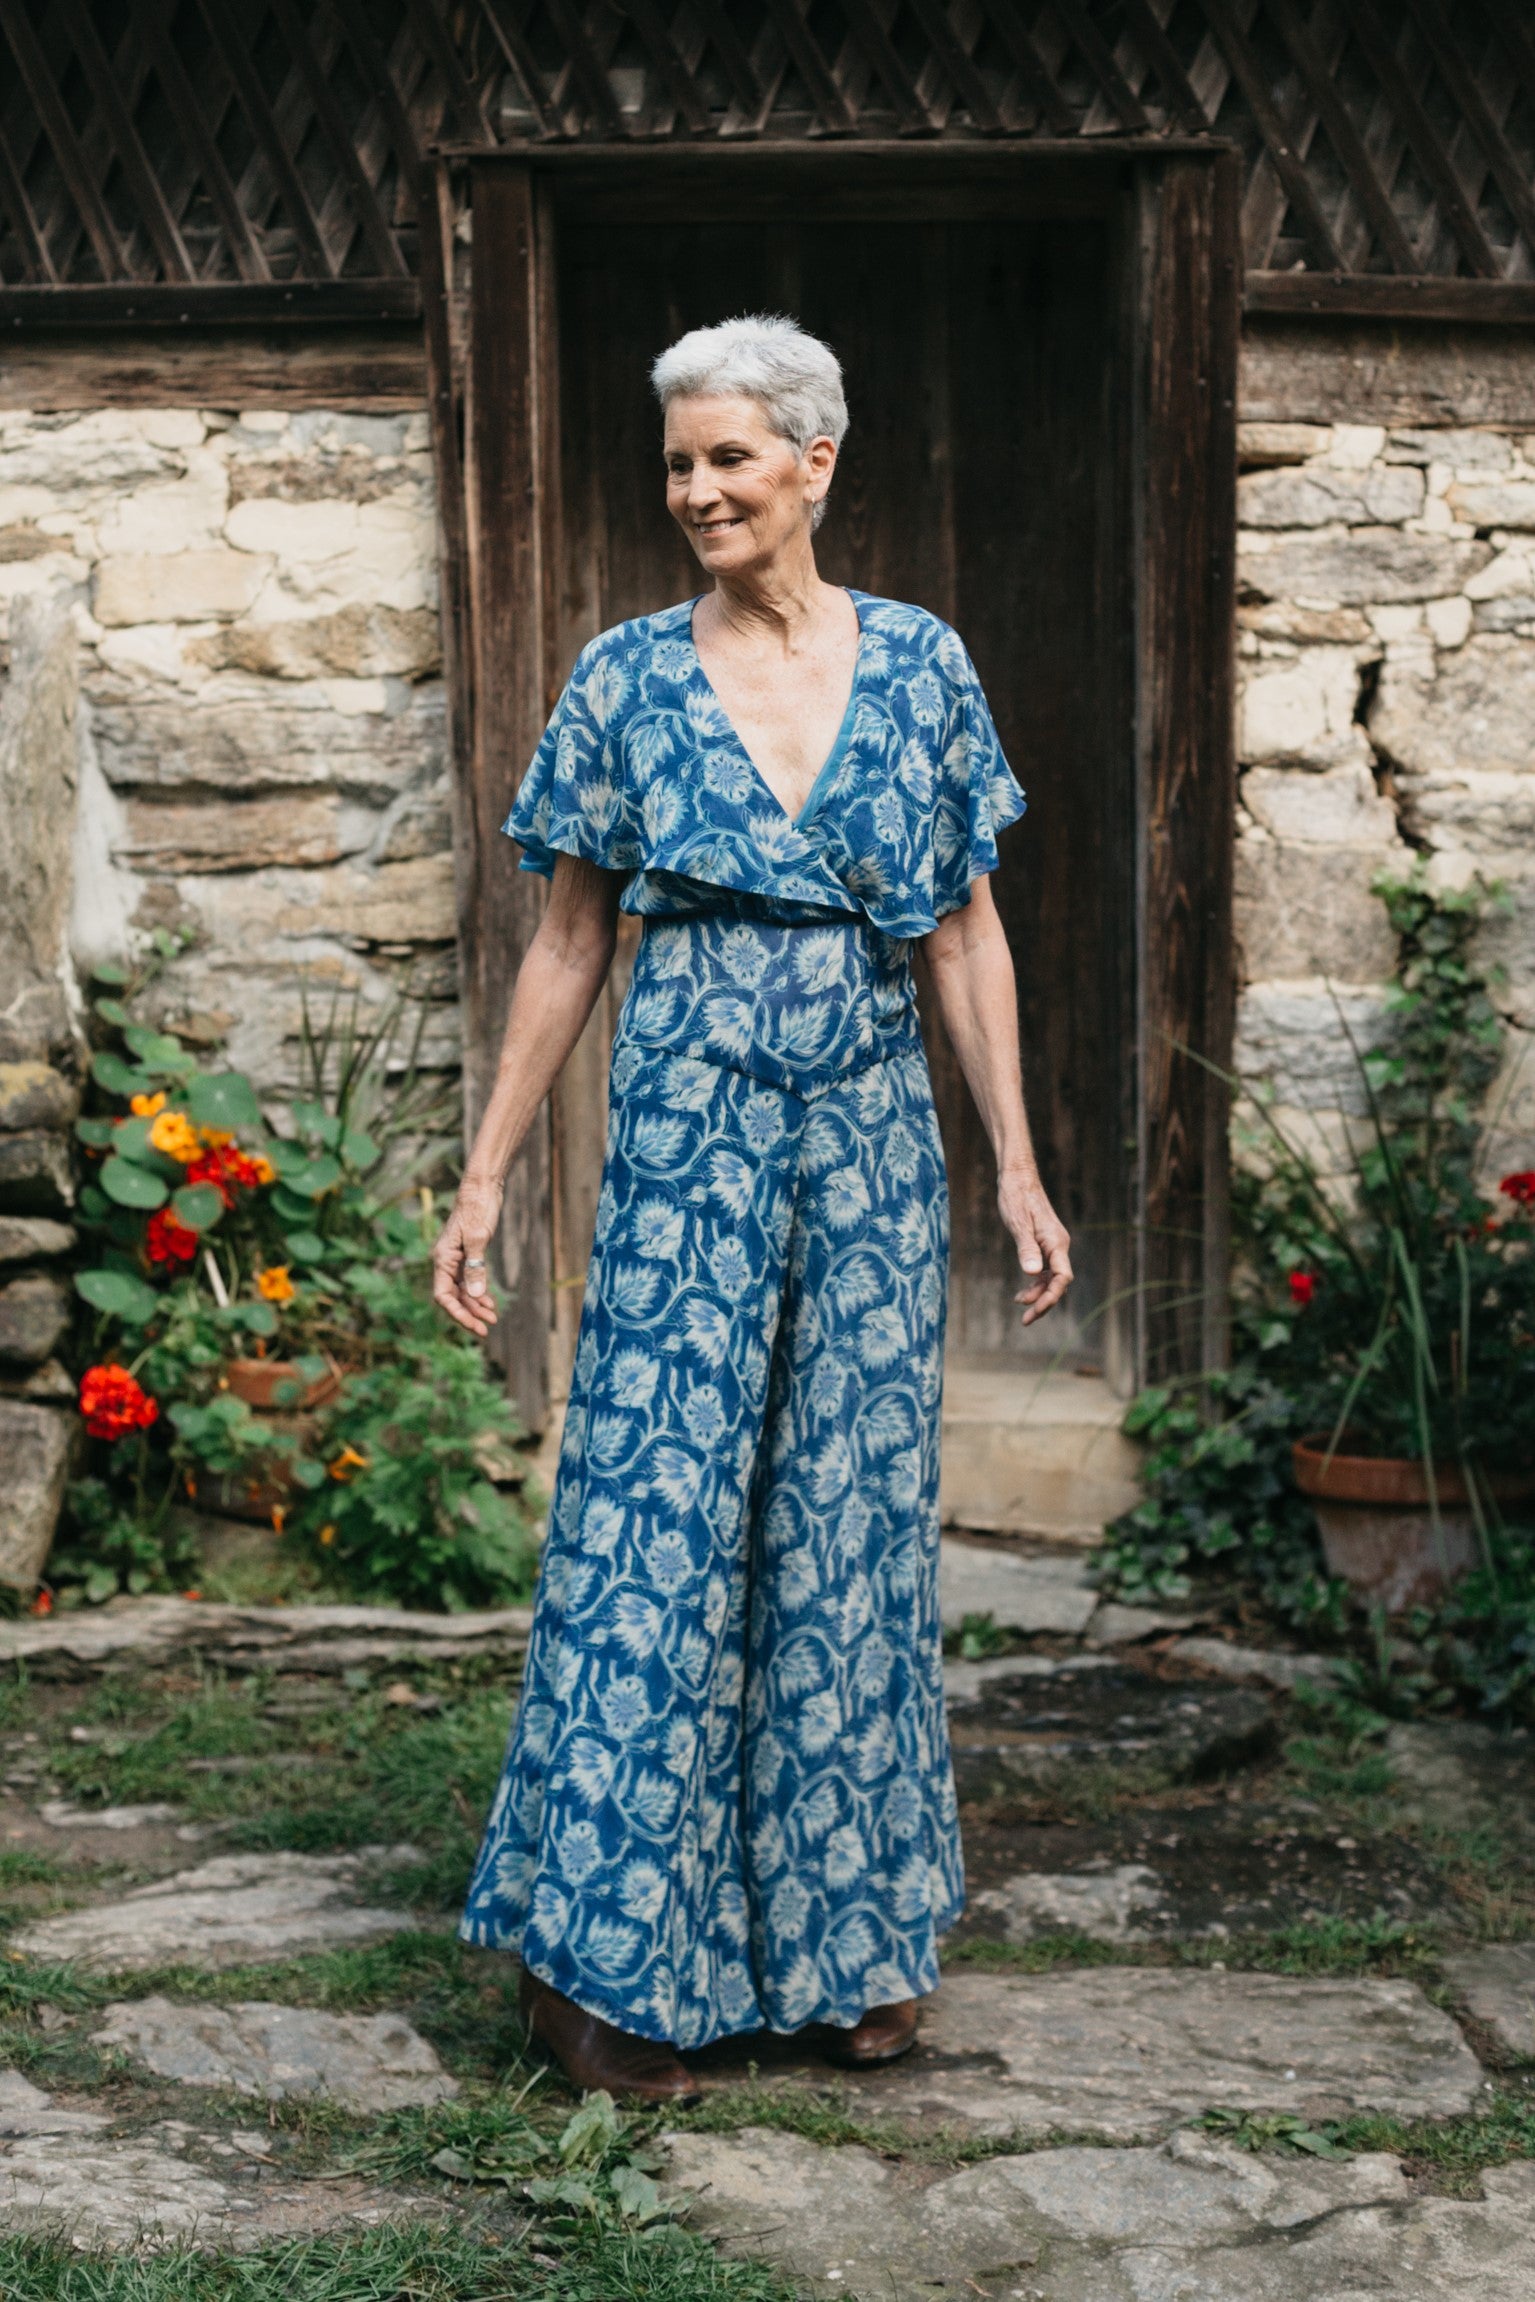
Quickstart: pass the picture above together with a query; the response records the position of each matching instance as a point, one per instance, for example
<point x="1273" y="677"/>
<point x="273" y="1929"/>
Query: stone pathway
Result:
<point x="366" y="2061"/>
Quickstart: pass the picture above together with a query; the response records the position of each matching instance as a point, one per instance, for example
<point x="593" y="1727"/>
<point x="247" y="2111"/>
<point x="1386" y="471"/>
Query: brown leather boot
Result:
<point x="593" y="2054"/>
<point x="884" y="2034"/>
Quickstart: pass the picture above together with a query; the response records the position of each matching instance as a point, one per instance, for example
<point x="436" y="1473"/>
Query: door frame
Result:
<point x="493" y="352"/>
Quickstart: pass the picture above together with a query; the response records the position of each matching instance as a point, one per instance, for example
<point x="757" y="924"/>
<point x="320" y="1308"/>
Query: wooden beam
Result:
<point x="734" y="60"/>
<point x="435" y="39"/>
<point x="1186" y="585"/>
<point x="1043" y="93"/>
<point x="80" y="183"/>
<point x="35" y="254"/>
<point x="670" y="66"/>
<point x="586" y="69"/>
<point x="954" y="59"/>
<point x="372" y="370"/>
<point x="508" y="498"/>
<point x="1099" y="59"/>
<point x="1386" y="296"/>
<point x="836" y="112"/>
<point x="507" y="30"/>
<point x="1163" y="58"/>
<point x="1507" y="172"/>
<point x="209" y="303"/>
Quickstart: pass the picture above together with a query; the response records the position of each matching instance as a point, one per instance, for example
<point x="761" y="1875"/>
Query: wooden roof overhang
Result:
<point x="187" y="162"/>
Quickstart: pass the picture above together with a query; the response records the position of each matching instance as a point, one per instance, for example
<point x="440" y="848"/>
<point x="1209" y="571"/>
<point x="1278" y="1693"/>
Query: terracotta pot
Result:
<point x="258" y="1382"/>
<point x="1377" y="1529"/>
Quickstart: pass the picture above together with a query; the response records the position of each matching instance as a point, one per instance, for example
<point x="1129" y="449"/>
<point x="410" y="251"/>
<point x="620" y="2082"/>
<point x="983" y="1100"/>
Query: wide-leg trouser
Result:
<point x="728" y="1800"/>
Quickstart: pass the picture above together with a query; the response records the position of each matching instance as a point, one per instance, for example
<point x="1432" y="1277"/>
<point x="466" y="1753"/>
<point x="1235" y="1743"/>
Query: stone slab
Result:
<point x="1498" y="1985"/>
<point x="36" y="1443"/>
<point x="24" y="1236"/>
<point x="368" y="2061"/>
<point x="1072" y="2225"/>
<point x="1023" y="1737"/>
<point x="251" y="1638"/>
<point x="1130" y="2052"/>
<point x="1027" y="1451"/>
<point x="1104" y="1905"/>
<point x="35" y="1314"/>
<point x="1256" y="1664"/>
<point x="25" y="2109"/>
<point x="1027" y="1594"/>
<point x="228" y="1912"/>
<point x="966" y="1683"/>
<point x="1117" y="1626"/>
<point x="58" y="1814"/>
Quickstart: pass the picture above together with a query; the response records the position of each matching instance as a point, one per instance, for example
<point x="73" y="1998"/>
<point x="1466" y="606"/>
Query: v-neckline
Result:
<point x="826" y="773"/>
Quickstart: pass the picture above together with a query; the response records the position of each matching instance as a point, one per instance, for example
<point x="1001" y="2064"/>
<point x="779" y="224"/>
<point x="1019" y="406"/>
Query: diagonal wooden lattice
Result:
<point x="157" y="148"/>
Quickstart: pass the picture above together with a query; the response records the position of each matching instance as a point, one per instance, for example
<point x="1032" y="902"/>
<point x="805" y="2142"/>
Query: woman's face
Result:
<point x="739" y="491"/>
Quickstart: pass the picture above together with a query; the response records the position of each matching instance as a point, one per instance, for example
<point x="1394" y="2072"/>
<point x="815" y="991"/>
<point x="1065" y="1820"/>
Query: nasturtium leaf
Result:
<point x="358" y="1150"/>
<point x="290" y="1206"/>
<point x="222" y="1099"/>
<point x="109" y="971"/>
<point x="305" y="1246"/>
<point x="116" y="1076"/>
<point x="120" y="1296"/>
<point x="317" y="1177"/>
<point x="312" y="1367"/>
<point x="259" y="1318"/>
<point x="306" y="1473"/>
<point x="157" y="1049"/>
<point x="130" y="1140"/>
<point x="113" y="1011"/>
<point x="94" y="1204"/>
<point x="132" y="1186"/>
<point x="197" y="1205"/>
<point x="98" y="1133"/>
<point x="287" y="1157"/>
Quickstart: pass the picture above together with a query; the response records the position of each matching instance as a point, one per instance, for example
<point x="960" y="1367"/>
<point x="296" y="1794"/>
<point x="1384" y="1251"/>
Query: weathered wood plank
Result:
<point x="1187" y="759"/>
<point x="507" y="507"/>
<point x="375" y="370"/>
<point x="1367" y="372"/>
<point x="1381" y="295"/>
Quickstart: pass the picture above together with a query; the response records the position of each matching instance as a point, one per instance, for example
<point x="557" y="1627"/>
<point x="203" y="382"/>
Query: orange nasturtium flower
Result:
<point x="215" y="1137"/>
<point x="147" y="1106"/>
<point x="327" y="1535"/>
<point x="174" y="1134"/>
<point x="265" y="1171"/>
<point x="275" y="1285"/>
<point x="348" y="1460"/>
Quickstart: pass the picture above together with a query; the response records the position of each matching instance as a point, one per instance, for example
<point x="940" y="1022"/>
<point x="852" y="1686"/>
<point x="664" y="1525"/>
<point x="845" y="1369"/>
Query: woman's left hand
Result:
<point x="1044" y="1245"/>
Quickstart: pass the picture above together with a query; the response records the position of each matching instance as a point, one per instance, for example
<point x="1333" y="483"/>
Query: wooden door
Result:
<point x="983" y="479"/>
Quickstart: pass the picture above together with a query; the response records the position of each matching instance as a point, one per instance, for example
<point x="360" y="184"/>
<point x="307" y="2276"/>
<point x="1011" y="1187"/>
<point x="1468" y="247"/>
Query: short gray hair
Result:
<point x="795" y="378"/>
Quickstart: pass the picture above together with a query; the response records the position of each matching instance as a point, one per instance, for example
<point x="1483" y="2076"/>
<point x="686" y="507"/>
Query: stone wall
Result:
<point x="261" y="727"/>
<point x="1387" y="663"/>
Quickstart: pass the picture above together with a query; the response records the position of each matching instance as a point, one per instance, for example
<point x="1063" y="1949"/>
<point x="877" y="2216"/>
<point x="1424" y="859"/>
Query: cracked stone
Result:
<point x="368" y="2061"/>
<point x="1497" y="1983"/>
<point x="24" y="1236"/>
<point x="35" y="1314"/>
<point x="1131" y="2052"/>
<point x="59" y="1815"/>
<point x="1357" y="567"/>
<point x="237" y="1908"/>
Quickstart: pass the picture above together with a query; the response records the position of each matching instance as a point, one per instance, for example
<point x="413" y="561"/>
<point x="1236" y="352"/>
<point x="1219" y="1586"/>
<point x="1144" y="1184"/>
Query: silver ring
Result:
<point x="474" y="1262"/>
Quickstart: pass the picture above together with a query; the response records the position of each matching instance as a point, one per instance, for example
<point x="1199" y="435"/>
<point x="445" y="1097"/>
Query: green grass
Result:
<point x="422" y="2264"/>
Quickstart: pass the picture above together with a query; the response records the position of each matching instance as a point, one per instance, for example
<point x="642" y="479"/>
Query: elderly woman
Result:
<point x="728" y="1801"/>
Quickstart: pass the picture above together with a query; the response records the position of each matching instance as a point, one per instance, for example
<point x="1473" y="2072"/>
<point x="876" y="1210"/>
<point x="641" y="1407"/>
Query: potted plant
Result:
<point x="1398" y="1307"/>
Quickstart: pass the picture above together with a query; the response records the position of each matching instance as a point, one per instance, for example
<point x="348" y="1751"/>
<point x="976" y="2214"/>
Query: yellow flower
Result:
<point x="265" y="1171"/>
<point x="327" y="1534"/>
<point x="275" y="1286"/>
<point x="348" y="1460"/>
<point x="174" y="1134"/>
<point x="146" y="1106"/>
<point x="215" y="1137"/>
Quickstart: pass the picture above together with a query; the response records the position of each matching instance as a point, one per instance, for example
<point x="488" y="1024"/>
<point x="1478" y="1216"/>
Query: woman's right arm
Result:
<point x="556" y="989"/>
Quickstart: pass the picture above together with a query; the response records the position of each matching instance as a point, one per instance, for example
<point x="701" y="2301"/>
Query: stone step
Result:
<point x="1031" y="1450"/>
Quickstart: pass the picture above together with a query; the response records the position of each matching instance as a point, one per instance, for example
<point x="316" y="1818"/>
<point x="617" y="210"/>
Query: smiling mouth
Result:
<point x="716" y="527"/>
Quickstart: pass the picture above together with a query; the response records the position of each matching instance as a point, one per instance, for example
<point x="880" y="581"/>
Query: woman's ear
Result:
<point x="821" y="457"/>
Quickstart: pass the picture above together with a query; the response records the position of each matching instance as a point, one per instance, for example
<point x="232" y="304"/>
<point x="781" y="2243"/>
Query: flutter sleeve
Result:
<point x="574" y="798"/>
<point x="978" y="794"/>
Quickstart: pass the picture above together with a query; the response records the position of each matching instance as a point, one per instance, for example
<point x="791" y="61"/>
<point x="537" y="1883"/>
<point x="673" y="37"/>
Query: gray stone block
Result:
<point x="1308" y="910"/>
<point x="151" y="742"/>
<point x="228" y="1912"/>
<point x="1498" y="1985"/>
<point x="36" y="1444"/>
<point x="368" y="2061"/>
<point x="1478" y="714"/>
<point x="1038" y="1593"/>
<point x="34" y="1318"/>
<point x="35" y="1095"/>
<point x="36" y="1176"/>
<point x="1362" y="567"/>
<point x="1317" y="497"/>
<point x="23" y="1237"/>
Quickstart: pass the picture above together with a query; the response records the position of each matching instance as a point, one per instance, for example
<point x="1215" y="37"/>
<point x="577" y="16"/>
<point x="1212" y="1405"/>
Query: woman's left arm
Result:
<point x="970" y="970"/>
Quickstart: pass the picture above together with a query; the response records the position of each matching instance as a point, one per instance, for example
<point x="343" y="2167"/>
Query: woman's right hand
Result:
<point x="461" y="1285"/>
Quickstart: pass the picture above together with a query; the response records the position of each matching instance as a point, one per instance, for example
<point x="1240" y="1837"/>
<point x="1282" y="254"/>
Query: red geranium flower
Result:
<point x="1302" y="1288"/>
<point x="114" y="1403"/>
<point x="1520" y="1188"/>
<point x="167" y="1240"/>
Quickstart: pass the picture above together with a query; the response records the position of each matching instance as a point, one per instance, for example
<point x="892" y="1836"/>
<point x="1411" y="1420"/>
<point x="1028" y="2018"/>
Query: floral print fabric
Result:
<point x="727" y="1801"/>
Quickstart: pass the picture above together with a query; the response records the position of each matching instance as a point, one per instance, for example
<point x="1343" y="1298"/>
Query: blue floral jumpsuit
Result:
<point x="728" y="1802"/>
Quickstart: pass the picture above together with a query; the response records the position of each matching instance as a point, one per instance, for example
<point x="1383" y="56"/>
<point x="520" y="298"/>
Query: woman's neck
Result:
<point x="780" y="605"/>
